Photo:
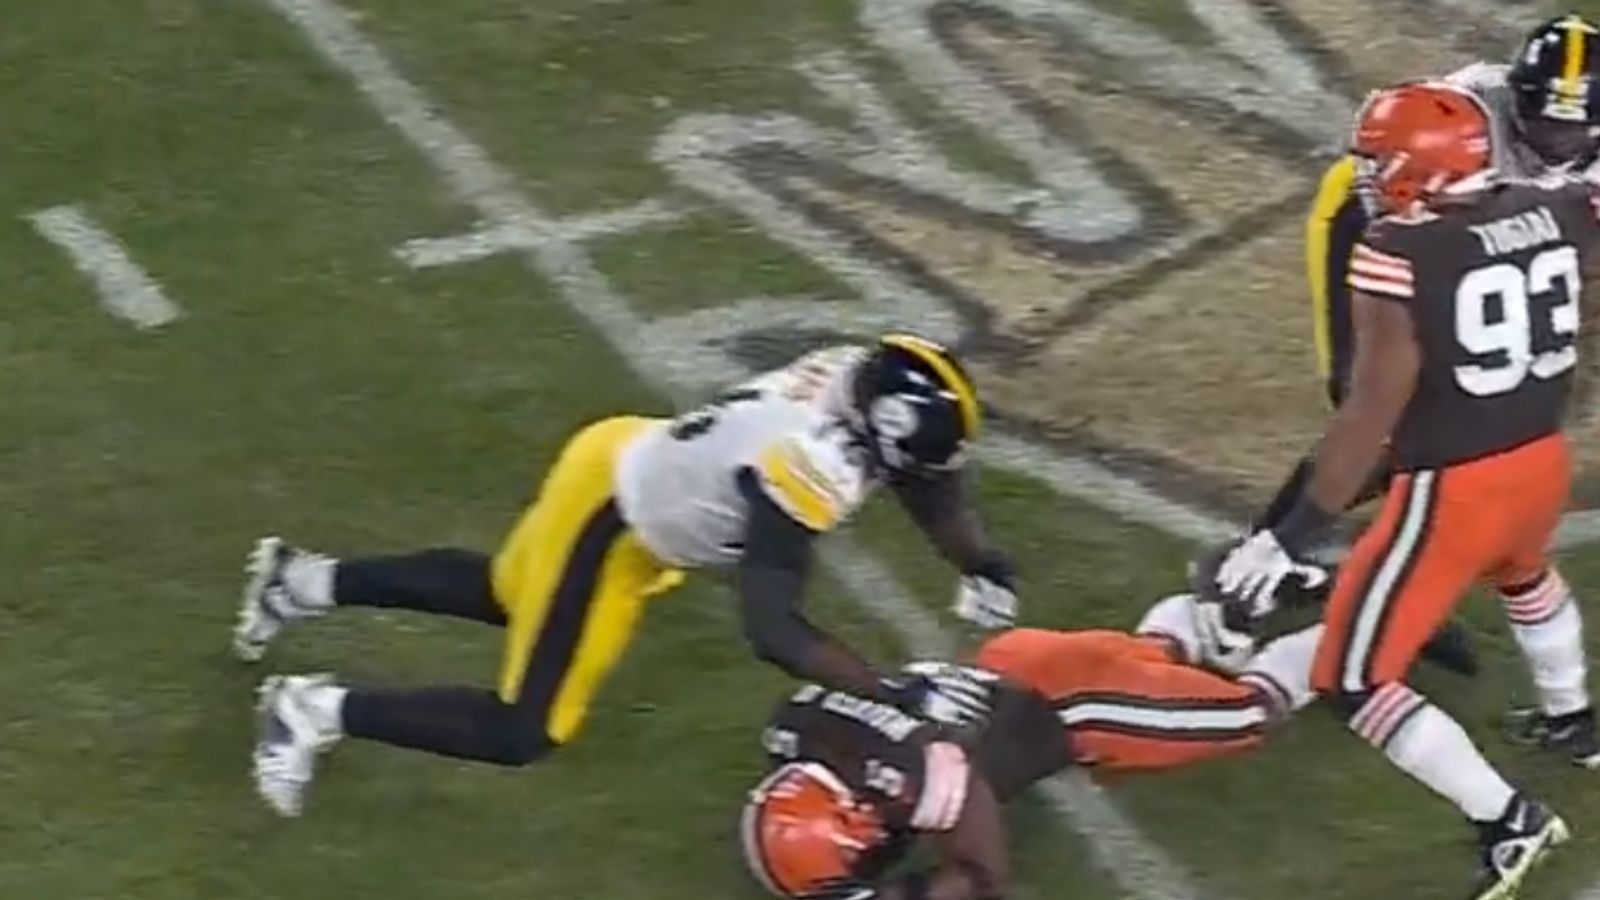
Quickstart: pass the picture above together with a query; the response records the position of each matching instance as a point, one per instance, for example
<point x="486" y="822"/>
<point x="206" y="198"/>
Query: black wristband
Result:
<point x="996" y="567"/>
<point x="914" y="885"/>
<point x="1301" y="525"/>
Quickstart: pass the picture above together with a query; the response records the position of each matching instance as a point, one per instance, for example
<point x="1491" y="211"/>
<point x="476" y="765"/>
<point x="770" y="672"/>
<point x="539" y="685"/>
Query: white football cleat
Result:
<point x="270" y="601"/>
<point x="289" y="739"/>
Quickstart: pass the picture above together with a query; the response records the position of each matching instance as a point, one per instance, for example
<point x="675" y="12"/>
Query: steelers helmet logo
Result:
<point x="893" y="418"/>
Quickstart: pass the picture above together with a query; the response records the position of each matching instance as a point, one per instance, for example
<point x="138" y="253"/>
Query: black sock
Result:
<point x="463" y="722"/>
<point x="442" y="581"/>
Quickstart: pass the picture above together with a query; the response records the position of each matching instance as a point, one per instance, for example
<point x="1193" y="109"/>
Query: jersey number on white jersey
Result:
<point x="697" y="422"/>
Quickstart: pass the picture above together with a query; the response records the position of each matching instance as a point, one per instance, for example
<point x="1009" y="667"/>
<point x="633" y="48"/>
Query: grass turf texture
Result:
<point x="316" y="387"/>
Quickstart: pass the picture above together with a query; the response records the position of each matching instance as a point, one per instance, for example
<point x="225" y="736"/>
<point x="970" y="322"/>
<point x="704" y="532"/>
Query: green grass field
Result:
<point x="318" y="387"/>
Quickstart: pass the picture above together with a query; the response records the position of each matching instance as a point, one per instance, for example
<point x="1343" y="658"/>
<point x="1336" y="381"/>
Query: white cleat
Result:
<point x="269" y="602"/>
<point x="288" y="740"/>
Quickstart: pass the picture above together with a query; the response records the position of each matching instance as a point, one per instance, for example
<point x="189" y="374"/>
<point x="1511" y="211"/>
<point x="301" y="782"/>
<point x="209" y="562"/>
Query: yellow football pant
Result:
<point x="572" y="578"/>
<point x="1333" y="227"/>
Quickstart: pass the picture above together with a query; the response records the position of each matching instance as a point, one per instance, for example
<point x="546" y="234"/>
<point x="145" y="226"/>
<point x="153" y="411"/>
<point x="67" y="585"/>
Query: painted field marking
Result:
<point x="1127" y="498"/>
<point x="125" y="290"/>
<point x="1142" y="868"/>
<point x="492" y="240"/>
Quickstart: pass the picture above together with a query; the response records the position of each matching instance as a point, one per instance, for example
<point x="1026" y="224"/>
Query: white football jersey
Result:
<point x="677" y="483"/>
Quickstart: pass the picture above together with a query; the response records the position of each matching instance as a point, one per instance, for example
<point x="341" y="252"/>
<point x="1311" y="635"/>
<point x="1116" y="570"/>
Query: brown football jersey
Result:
<point x="879" y="751"/>
<point x="1492" y="288"/>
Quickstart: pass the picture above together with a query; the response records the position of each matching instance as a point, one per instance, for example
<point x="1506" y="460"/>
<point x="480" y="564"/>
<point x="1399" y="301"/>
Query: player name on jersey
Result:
<point x="1519" y="232"/>
<point x="880" y="717"/>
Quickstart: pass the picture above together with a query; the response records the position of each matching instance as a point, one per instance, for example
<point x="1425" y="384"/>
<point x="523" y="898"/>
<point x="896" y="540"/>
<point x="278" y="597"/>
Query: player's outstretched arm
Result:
<point x="939" y="507"/>
<point x="771" y="582"/>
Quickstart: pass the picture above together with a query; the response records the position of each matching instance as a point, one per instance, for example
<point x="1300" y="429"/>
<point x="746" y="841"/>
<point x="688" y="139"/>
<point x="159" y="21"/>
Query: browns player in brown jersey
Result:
<point x="855" y="782"/>
<point x="1466" y="310"/>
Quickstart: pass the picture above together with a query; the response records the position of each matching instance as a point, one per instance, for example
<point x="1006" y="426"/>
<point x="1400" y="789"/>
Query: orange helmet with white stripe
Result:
<point x="802" y="826"/>
<point x="1421" y="142"/>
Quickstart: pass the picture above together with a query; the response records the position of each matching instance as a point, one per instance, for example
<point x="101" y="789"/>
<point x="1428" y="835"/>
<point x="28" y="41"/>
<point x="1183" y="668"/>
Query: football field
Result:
<point x="350" y="271"/>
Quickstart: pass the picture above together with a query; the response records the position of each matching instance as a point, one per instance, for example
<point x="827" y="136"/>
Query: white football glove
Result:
<point x="952" y="694"/>
<point x="985" y="603"/>
<point x="1252" y="571"/>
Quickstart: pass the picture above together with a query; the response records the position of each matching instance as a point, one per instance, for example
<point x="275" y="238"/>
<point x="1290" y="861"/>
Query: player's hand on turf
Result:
<point x="846" y="888"/>
<point x="986" y="596"/>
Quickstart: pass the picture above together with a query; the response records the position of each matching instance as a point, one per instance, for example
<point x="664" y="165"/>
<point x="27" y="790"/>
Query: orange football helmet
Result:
<point x="802" y="826"/>
<point x="1416" y="143"/>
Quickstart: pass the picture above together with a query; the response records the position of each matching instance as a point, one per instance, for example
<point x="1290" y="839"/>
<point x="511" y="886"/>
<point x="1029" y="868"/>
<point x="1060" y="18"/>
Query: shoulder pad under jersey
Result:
<point x="818" y="476"/>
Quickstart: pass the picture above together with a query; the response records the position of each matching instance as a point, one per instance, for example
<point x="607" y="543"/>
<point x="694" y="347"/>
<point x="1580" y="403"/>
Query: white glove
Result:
<point x="985" y="603"/>
<point x="1253" y="570"/>
<point x="1221" y="647"/>
<point x="952" y="695"/>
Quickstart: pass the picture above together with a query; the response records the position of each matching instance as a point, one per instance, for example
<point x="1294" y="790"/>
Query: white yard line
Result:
<point x="1117" y="494"/>
<point x="1142" y="869"/>
<point x="125" y="290"/>
<point x="423" y="253"/>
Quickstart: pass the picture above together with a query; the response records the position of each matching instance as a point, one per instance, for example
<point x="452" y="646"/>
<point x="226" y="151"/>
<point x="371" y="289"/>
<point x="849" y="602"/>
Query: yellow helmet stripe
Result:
<point x="934" y="356"/>
<point x="1577" y="32"/>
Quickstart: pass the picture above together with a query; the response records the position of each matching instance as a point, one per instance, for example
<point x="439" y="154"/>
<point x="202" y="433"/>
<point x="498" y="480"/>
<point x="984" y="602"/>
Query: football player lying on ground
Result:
<point x="855" y="782"/>
<point x="745" y="483"/>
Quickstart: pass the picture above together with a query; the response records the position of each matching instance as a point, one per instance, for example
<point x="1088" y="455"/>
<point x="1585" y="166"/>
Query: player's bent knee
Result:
<point x="518" y="738"/>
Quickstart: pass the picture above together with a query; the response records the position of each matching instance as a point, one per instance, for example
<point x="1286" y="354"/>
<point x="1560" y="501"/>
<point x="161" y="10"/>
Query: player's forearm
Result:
<point x="769" y="602"/>
<point x="1351" y="451"/>
<point x="1386" y="369"/>
<point x="941" y="511"/>
<point x="831" y="663"/>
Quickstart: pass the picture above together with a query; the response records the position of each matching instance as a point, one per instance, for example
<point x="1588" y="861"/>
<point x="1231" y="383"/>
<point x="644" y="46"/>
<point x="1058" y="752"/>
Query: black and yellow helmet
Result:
<point x="1555" y="78"/>
<point x="917" y="405"/>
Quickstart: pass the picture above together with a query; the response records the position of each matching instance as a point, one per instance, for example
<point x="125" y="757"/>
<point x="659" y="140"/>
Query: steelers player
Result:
<point x="1546" y="109"/>
<point x="744" y="483"/>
